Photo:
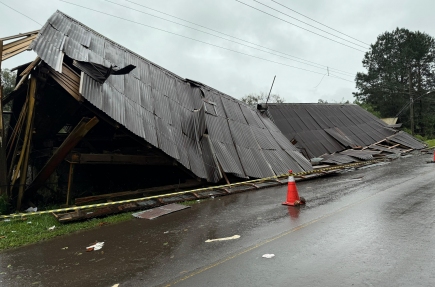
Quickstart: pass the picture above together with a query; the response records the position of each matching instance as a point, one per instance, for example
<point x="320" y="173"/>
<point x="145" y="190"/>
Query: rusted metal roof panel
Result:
<point x="196" y="125"/>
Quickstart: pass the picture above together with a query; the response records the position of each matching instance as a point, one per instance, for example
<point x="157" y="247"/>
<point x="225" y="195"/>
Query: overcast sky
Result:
<point x="234" y="73"/>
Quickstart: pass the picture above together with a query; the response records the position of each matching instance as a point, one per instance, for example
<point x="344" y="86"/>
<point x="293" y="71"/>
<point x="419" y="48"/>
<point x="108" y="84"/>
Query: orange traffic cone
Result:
<point x="292" y="192"/>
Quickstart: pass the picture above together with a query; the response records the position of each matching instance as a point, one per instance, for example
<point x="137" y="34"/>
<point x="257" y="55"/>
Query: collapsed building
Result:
<point x="338" y="133"/>
<point x="90" y="116"/>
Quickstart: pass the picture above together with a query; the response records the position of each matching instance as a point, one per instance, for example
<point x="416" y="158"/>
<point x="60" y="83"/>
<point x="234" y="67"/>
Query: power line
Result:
<point x="314" y="64"/>
<point x="318" y="22"/>
<point x="21" y="13"/>
<point x="299" y="26"/>
<point x="217" y="46"/>
<point x="365" y="47"/>
<point x="345" y="74"/>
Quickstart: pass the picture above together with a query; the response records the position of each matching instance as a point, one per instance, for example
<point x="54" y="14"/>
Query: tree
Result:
<point x="8" y="84"/>
<point x="254" y="99"/>
<point x="400" y="66"/>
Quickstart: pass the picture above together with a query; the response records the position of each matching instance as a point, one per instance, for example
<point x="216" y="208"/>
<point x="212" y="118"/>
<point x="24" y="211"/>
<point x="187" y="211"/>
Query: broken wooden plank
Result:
<point x="82" y="128"/>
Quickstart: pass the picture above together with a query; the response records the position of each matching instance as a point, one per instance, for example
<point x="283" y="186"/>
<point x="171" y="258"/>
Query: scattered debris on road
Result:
<point x="268" y="256"/>
<point x="223" y="239"/>
<point x="52" y="228"/>
<point x="95" y="247"/>
<point x="160" y="211"/>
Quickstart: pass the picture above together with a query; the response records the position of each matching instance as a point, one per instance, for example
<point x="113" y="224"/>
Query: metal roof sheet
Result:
<point x="195" y="124"/>
<point x="407" y="140"/>
<point x="327" y="128"/>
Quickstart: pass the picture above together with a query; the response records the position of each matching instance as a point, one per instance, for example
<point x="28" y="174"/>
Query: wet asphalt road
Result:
<point x="370" y="227"/>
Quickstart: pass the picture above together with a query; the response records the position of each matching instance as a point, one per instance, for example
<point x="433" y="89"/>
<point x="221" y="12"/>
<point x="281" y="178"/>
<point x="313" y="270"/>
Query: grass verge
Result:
<point x="430" y="143"/>
<point x="32" y="229"/>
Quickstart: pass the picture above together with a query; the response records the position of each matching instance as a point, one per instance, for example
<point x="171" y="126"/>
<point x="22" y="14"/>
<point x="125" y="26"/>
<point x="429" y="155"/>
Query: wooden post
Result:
<point x="3" y="165"/>
<point x="70" y="181"/>
<point x="23" y="162"/>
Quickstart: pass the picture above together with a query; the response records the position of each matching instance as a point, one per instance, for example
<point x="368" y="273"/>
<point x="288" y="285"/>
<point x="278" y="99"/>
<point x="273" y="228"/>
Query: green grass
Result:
<point x="430" y="143"/>
<point x="32" y="229"/>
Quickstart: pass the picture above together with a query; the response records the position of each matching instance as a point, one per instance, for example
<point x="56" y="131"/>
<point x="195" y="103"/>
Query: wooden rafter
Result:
<point x="19" y="35"/>
<point x="69" y="80"/>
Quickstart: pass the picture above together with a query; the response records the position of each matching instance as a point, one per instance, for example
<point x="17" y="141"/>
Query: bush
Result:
<point x="4" y="205"/>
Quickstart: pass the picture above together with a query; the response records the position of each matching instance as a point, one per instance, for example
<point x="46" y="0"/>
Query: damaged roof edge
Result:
<point x="170" y="112"/>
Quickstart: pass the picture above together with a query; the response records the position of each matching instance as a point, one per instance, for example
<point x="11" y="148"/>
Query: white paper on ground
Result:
<point x="96" y="246"/>
<point x="223" y="239"/>
<point x="268" y="256"/>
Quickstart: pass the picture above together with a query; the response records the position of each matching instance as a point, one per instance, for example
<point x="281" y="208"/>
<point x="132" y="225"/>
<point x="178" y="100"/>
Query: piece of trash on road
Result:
<point x="116" y="285"/>
<point x="65" y="248"/>
<point x="223" y="239"/>
<point x="31" y="209"/>
<point x="95" y="247"/>
<point x="52" y="228"/>
<point x="268" y="256"/>
<point x="160" y="211"/>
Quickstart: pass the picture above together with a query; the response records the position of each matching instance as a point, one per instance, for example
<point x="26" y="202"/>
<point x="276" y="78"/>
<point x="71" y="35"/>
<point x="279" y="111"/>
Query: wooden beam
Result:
<point x="69" y="80"/>
<point x="26" y="72"/>
<point x="19" y="35"/>
<point x="3" y="165"/>
<point x="25" y="152"/>
<point x="17" y="42"/>
<point x="18" y="46"/>
<point x="15" y="53"/>
<point x="82" y="158"/>
<point x="27" y="134"/>
<point x="29" y="68"/>
<point x="70" y="181"/>
<point x="79" y="132"/>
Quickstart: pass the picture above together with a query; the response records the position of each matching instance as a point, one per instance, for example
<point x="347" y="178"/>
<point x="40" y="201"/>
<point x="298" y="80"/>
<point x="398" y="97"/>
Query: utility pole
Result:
<point x="270" y="90"/>
<point x="411" y="101"/>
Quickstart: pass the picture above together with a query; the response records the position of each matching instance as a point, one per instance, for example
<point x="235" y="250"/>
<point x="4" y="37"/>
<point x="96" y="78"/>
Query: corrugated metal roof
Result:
<point x="338" y="159"/>
<point x="406" y="139"/>
<point x="329" y="128"/>
<point x="360" y="154"/>
<point x="195" y="124"/>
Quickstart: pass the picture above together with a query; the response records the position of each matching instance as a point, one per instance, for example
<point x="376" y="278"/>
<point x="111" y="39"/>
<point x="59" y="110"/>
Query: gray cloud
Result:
<point x="227" y="71"/>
